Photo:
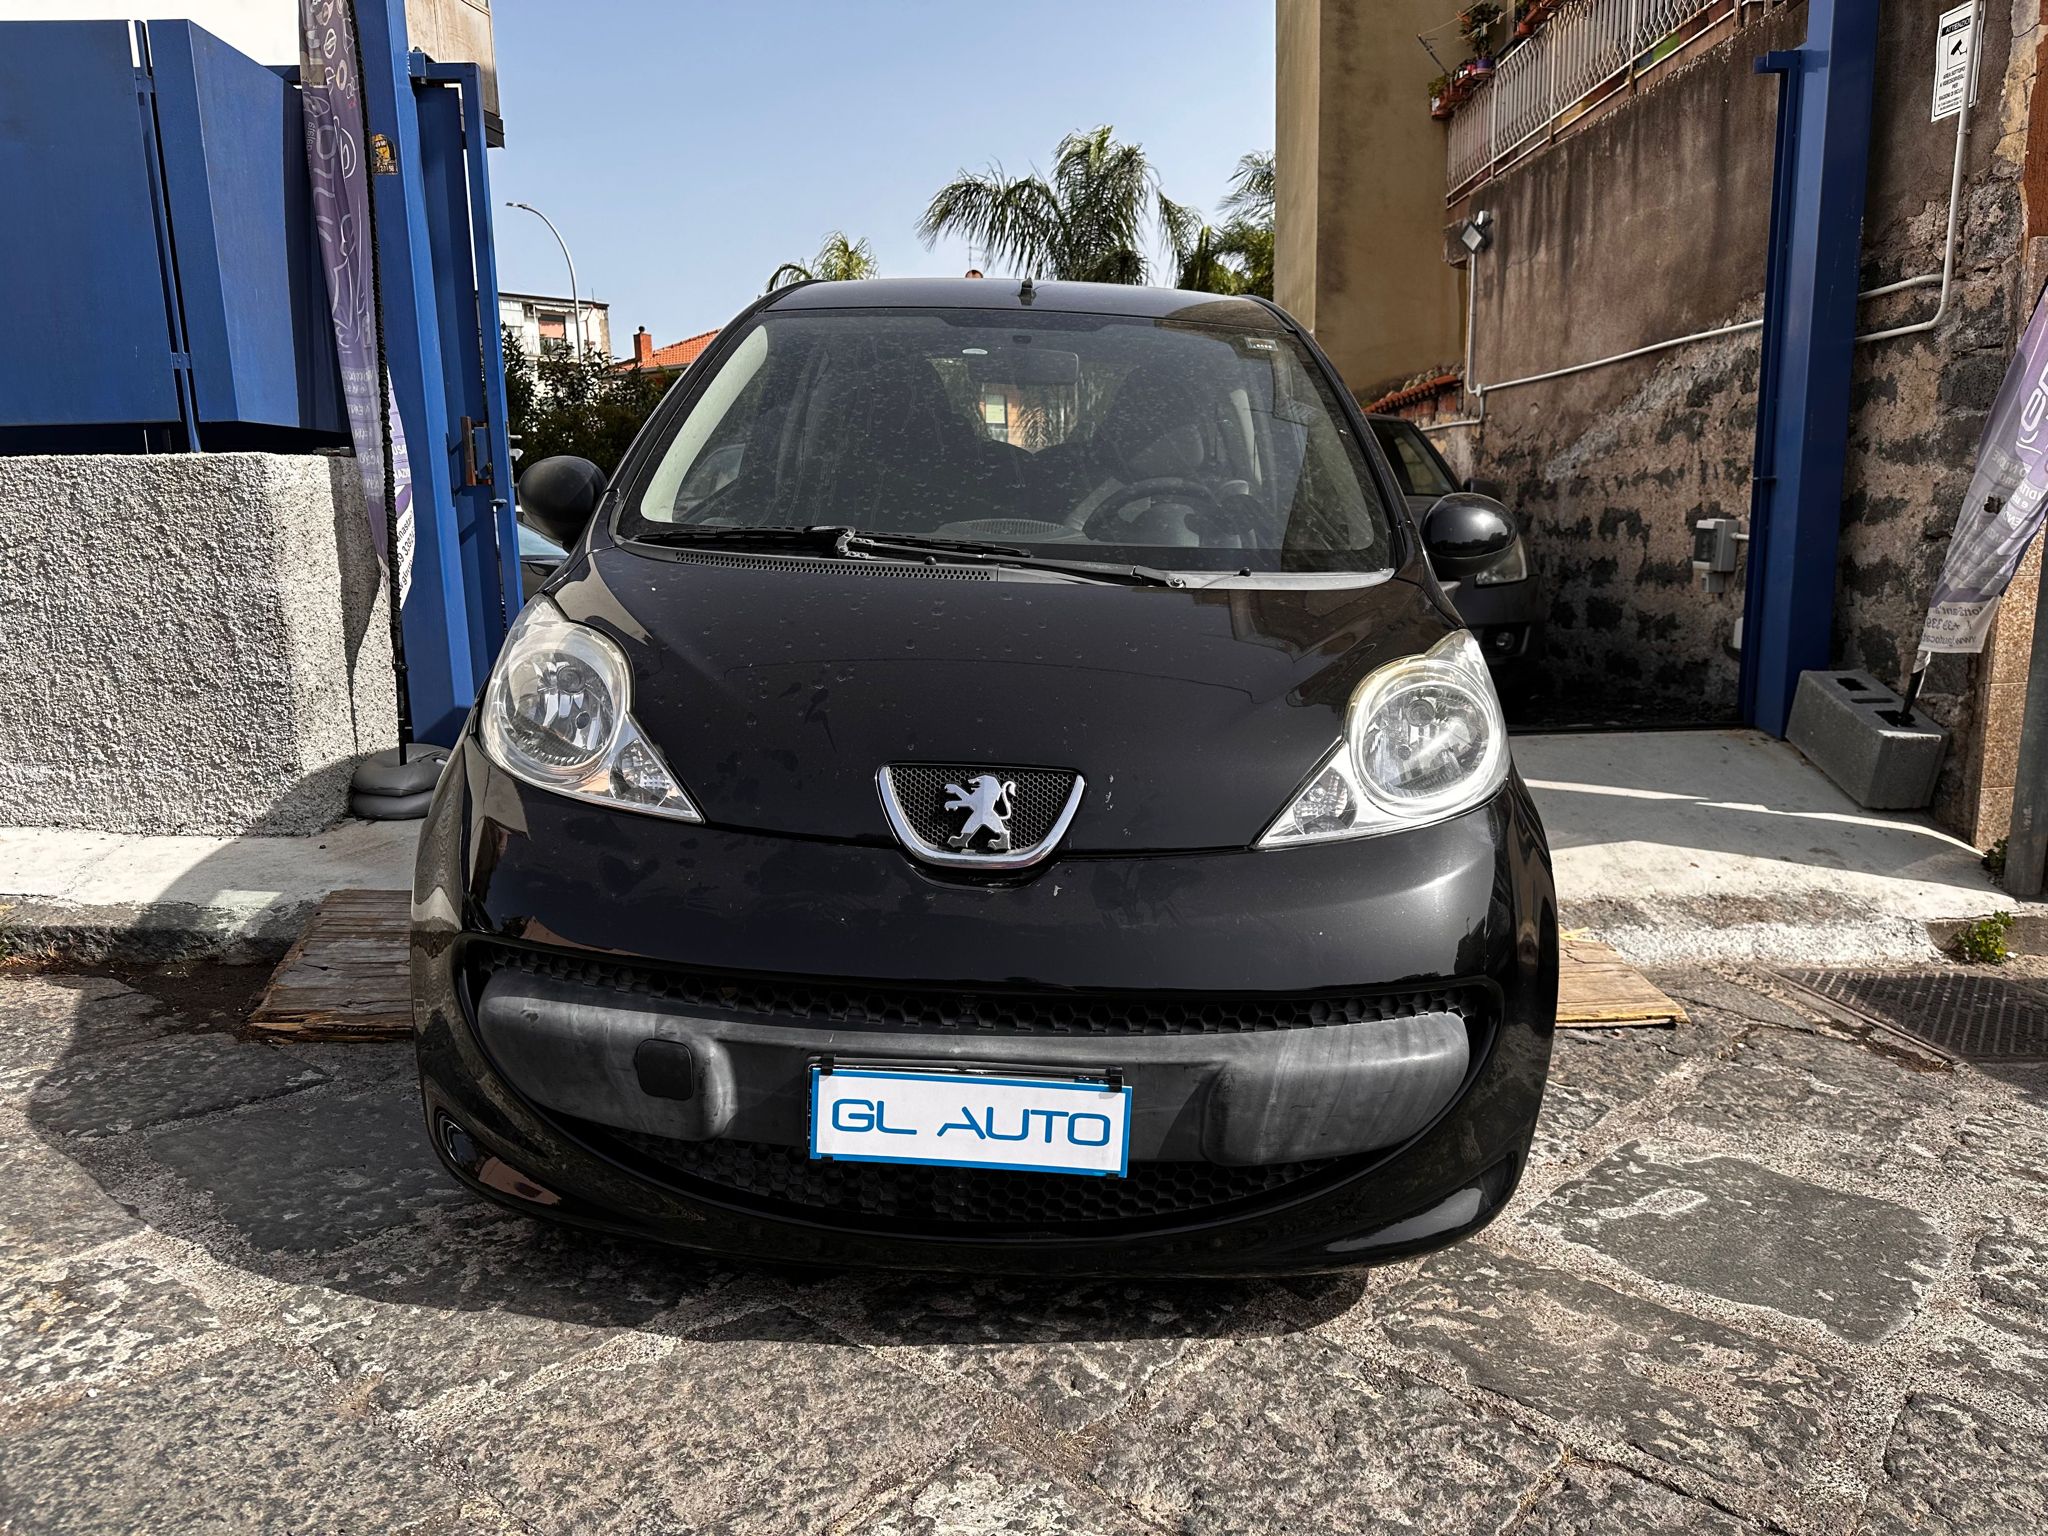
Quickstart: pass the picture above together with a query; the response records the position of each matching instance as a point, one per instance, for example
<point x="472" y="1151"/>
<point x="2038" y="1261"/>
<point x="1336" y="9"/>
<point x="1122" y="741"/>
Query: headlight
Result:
<point x="558" y="713"/>
<point x="1512" y="566"/>
<point x="1424" y="740"/>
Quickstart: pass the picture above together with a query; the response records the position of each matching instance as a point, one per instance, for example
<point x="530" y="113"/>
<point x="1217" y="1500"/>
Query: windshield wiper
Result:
<point x="983" y="552"/>
<point x="853" y="543"/>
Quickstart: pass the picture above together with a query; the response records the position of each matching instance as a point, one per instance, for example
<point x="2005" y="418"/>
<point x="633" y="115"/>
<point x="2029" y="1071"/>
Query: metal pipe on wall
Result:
<point x="1945" y="277"/>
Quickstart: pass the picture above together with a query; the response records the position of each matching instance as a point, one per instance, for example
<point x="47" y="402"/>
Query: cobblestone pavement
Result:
<point x="1764" y="1274"/>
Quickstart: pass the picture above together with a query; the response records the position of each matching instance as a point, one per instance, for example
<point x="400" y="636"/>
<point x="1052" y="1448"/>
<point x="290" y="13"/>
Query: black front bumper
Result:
<point x="1234" y="990"/>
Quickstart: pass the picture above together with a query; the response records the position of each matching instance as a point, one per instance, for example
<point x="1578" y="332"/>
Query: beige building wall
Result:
<point x="1358" y="246"/>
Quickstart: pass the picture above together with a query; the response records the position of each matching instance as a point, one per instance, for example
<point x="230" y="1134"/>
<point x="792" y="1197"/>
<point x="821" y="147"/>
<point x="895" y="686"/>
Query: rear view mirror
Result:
<point x="1466" y="532"/>
<point x="558" y="495"/>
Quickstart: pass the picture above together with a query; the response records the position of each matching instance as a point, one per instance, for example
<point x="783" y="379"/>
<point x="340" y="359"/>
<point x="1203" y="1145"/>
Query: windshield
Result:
<point x="1415" y="462"/>
<point x="1085" y="437"/>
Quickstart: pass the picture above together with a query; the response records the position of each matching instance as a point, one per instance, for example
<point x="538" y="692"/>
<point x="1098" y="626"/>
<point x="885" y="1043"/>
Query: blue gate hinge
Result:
<point x="144" y="86"/>
<point x="181" y="359"/>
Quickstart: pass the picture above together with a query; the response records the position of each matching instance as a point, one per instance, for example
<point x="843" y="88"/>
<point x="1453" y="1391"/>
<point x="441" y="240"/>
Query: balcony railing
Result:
<point x="1586" y="50"/>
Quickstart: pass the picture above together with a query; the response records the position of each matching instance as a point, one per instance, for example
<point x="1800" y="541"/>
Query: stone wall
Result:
<point x="1651" y="221"/>
<point x="188" y="643"/>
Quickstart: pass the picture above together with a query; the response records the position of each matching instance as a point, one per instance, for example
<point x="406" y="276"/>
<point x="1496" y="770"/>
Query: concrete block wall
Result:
<point x="189" y="643"/>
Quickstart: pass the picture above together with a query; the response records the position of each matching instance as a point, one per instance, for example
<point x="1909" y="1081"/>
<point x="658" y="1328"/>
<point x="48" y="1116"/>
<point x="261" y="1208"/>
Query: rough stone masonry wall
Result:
<point x="189" y="643"/>
<point x="1652" y="221"/>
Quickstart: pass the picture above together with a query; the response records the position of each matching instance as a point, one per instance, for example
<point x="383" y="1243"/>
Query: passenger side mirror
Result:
<point x="558" y="495"/>
<point x="1466" y="532"/>
<point x="1492" y="488"/>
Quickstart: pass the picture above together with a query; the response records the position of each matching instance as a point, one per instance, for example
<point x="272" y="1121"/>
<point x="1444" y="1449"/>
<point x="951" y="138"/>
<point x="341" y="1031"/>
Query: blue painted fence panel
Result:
<point x="88" y="335"/>
<point x="234" y="155"/>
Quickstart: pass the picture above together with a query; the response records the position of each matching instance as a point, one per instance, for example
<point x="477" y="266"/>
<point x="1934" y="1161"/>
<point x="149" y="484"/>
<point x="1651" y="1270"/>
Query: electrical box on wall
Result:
<point x="1716" y="546"/>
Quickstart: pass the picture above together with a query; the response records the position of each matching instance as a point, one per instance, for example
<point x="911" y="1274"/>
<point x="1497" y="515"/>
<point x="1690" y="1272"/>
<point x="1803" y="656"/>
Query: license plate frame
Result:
<point x="995" y="1104"/>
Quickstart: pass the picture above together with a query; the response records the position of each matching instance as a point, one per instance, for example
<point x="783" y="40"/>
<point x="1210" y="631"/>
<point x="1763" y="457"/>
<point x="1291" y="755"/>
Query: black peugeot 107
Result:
<point x="996" y="785"/>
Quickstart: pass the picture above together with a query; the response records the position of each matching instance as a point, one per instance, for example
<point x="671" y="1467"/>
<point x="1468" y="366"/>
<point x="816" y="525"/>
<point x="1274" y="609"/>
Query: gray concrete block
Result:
<point x="1847" y="724"/>
<point x="190" y="643"/>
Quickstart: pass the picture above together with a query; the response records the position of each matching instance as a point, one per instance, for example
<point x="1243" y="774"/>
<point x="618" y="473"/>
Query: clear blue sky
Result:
<point x="688" y="148"/>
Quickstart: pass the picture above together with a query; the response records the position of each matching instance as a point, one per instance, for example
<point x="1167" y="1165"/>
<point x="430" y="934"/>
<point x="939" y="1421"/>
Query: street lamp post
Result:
<point x="575" y="303"/>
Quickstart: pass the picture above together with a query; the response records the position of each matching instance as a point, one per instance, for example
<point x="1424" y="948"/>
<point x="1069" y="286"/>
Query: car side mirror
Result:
<point x="1481" y="487"/>
<point x="558" y="495"/>
<point x="1466" y="532"/>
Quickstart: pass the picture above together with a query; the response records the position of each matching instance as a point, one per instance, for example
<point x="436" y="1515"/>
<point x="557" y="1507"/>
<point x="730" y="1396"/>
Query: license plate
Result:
<point x="970" y="1120"/>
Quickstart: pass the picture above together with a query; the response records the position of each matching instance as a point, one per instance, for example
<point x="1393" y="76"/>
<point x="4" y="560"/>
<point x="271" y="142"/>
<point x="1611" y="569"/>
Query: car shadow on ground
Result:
<point x="306" y="1166"/>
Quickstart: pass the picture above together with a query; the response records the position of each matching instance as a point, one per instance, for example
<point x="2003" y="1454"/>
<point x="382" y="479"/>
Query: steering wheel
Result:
<point x="1145" y="490"/>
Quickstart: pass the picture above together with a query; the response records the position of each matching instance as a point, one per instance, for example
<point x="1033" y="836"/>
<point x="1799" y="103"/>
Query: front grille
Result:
<point x="921" y="791"/>
<point x="854" y="1005"/>
<point x="961" y="1201"/>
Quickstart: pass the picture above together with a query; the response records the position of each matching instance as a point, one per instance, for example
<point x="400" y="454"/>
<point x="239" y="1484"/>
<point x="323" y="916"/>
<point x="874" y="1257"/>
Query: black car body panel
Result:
<point x="781" y="665"/>
<point x="1336" y="1050"/>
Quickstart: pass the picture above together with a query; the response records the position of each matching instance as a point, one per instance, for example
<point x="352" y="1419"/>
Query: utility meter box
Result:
<point x="1716" y="544"/>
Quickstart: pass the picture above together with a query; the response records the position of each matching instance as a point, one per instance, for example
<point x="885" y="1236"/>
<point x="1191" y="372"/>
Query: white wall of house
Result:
<point x="546" y="323"/>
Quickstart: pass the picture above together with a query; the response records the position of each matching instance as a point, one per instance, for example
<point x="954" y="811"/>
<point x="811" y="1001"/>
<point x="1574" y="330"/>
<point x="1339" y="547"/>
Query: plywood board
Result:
<point x="1597" y="989"/>
<point x="347" y="977"/>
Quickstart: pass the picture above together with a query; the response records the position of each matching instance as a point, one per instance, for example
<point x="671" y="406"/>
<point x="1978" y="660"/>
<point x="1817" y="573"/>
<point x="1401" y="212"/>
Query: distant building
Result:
<point x="547" y="325"/>
<point x="673" y="358"/>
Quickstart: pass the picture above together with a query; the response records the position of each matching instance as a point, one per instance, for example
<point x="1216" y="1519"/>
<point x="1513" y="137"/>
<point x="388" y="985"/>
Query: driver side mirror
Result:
<point x="1466" y="532"/>
<point x="558" y="495"/>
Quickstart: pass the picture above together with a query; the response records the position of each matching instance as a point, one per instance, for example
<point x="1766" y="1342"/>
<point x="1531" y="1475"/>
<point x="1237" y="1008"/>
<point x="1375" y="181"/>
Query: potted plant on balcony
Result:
<point x="1442" y="104"/>
<point x="1475" y="24"/>
<point x="1531" y="14"/>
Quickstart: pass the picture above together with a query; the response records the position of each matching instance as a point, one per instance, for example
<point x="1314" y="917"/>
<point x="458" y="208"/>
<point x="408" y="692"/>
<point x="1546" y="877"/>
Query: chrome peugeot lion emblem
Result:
<point x="989" y="803"/>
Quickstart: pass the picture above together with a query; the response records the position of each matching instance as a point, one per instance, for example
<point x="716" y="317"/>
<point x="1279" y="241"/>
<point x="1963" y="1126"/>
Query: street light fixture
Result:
<point x="575" y="303"/>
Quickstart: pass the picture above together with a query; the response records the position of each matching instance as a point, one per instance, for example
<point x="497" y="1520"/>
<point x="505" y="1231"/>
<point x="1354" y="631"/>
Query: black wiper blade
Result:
<point x="826" y="540"/>
<point x="982" y="552"/>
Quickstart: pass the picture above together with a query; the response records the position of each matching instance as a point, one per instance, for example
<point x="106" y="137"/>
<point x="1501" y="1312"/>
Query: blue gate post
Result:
<point x="1809" y="332"/>
<point x="495" y="453"/>
<point x="442" y="667"/>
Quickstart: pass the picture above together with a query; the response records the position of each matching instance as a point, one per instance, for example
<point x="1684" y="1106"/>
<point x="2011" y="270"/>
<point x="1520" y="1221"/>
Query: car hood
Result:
<point x="778" y="688"/>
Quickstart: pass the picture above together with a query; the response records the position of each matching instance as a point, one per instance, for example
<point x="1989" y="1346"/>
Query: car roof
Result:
<point x="1009" y="293"/>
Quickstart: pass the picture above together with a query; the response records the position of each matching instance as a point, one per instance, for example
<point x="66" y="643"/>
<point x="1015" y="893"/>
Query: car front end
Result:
<point x="807" y="899"/>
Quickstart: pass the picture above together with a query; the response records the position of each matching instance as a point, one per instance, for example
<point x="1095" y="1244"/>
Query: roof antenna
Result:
<point x="1026" y="291"/>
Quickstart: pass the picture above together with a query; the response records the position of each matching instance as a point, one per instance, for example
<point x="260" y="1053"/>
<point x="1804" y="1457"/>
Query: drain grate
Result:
<point x="1977" y="1018"/>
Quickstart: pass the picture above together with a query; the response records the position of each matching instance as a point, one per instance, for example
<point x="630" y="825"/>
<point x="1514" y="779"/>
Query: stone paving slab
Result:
<point x="1591" y="1500"/>
<point x="767" y="1424"/>
<point x="1070" y="1354"/>
<point x="91" y="1319"/>
<point x="1951" y="1470"/>
<point x="993" y="1490"/>
<point x="1731" y="1228"/>
<point x="245" y="1440"/>
<point x="463" y="1305"/>
<point x="106" y="1093"/>
<point x="1758" y="1277"/>
<point x="1298" y="1434"/>
<point x="311" y="1173"/>
<point x="1625" y="1374"/>
<point x="52" y="1206"/>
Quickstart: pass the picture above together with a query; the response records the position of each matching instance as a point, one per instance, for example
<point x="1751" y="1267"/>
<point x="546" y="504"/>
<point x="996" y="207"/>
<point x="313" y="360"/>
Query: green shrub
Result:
<point x="1983" y="942"/>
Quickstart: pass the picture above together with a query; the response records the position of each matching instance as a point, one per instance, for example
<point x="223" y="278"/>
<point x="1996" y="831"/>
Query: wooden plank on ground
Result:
<point x="347" y="978"/>
<point x="1597" y="989"/>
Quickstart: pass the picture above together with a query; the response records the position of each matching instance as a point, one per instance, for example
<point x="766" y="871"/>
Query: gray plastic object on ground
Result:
<point x="391" y="807"/>
<point x="382" y="773"/>
<point x="1847" y="724"/>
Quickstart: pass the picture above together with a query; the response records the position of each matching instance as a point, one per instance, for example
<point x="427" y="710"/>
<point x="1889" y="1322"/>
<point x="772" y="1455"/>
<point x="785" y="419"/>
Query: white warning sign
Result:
<point x="1955" y="36"/>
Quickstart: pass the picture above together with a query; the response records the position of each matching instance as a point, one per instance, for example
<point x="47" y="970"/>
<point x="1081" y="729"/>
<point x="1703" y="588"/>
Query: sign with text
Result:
<point x="1955" y="38"/>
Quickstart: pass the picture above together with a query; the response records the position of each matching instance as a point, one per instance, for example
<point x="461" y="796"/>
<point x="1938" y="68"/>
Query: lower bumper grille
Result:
<point x="965" y="1201"/>
<point x="853" y="1005"/>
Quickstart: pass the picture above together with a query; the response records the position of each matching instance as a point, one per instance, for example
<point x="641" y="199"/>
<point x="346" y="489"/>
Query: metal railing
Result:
<point x="1586" y="46"/>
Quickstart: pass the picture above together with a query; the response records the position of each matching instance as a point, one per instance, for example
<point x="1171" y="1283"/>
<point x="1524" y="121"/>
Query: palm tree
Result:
<point x="1236" y="257"/>
<point x="839" y="260"/>
<point x="1084" y="223"/>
